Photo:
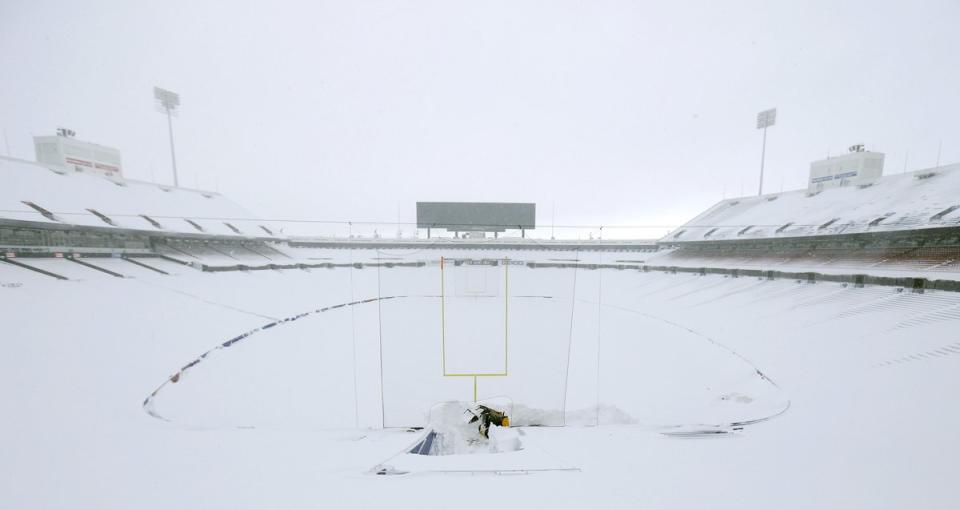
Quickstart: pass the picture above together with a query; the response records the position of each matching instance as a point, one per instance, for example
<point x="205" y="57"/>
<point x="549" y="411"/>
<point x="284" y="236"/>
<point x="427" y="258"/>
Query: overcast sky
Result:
<point x="611" y="112"/>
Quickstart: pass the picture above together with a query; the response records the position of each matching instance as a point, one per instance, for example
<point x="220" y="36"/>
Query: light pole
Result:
<point x="765" y="119"/>
<point x="168" y="102"/>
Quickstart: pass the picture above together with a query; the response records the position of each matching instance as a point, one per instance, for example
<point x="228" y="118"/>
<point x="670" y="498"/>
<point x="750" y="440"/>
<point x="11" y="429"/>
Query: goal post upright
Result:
<point x="443" y="325"/>
<point x="506" y="316"/>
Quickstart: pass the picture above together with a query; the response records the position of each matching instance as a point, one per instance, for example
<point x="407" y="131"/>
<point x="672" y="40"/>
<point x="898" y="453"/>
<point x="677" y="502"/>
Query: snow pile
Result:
<point x="457" y="436"/>
<point x="451" y="444"/>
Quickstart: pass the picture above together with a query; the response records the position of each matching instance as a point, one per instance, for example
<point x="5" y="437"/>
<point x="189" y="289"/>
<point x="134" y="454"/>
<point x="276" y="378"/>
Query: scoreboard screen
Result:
<point x="476" y="216"/>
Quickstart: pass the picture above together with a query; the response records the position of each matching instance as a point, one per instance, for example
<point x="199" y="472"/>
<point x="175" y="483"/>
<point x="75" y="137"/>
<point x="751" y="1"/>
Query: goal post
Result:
<point x="471" y="327"/>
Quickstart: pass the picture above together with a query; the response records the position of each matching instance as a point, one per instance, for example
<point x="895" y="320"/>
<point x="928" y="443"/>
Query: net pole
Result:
<point x="353" y="330"/>
<point x="573" y="303"/>
<point x="599" y="325"/>
<point x="383" y="404"/>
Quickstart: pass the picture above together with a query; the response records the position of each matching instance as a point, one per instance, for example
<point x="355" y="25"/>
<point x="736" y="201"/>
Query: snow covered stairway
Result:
<point x="32" y="268"/>
<point x="82" y="262"/>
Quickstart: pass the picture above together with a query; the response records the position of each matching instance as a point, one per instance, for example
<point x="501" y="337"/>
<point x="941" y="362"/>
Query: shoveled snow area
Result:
<point x="859" y="383"/>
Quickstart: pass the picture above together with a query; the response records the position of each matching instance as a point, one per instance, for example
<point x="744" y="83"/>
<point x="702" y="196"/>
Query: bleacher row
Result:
<point x="170" y="259"/>
<point x="222" y="254"/>
<point x="939" y="259"/>
<point x="15" y="271"/>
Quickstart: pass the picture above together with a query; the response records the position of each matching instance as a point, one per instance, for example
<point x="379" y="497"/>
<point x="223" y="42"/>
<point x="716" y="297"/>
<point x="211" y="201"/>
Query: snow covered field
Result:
<point x="858" y="384"/>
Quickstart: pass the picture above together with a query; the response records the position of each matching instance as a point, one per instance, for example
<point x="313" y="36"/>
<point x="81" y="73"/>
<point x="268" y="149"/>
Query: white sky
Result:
<point x="614" y="112"/>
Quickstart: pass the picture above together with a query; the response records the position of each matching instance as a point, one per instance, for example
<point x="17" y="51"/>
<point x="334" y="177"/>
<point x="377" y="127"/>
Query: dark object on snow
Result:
<point x="389" y="470"/>
<point x="426" y="446"/>
<point x="487" y="416"/>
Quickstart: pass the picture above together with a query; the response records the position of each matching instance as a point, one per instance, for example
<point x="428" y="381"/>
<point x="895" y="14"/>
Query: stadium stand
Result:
<point x="46" y="211"/>
<point x="901" y="223"/>
<point x="34" y="194"/>
<point x="904" y="225"/>
<point x="920" y="200"/>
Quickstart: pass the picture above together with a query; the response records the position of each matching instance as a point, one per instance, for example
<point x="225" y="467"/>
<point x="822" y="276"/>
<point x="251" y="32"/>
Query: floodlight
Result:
<point x="168" y="102"/>
<point x="766" y="118"/>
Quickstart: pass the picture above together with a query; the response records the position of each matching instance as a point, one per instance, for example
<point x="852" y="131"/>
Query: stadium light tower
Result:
<point x="168" y="102"/>
<point x="765" y="119"/>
